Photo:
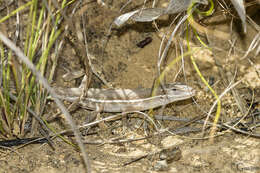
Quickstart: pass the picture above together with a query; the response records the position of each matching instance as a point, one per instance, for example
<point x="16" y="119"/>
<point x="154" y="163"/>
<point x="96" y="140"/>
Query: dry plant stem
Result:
<point x="17" y="27"/>
<point x="182" y="63"/>
<point x="203" y="30"/>
<point x="44" y="82"/>
<point x="245" y="114"/>
<point x="149" y="118"/>
<point x="241" y="131"/>
<point x="214" y="104"/>
<point x="227" y="77"/>
<point x="72" y="107"/>
<point x="110" y="118"/>
<point x="241" y="103"/>
<point x="80" y="48"/>
<point x="88" y="55"/>
<point x="58" y="49"/>
<point x="164" y="54"/>
<point x="255" y="42"/>
<point x="252" y="22"/>
<point x="128" y="2"/>
<point x="232" y="46"/>
<point x="177" y="131"/>
<point x="224" y="125"/>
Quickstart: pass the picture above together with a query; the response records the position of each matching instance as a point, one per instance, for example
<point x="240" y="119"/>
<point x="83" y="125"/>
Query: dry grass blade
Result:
<point x="123" y="18"/>
<point x="151" y="14"/>
<point x="142" y="15"/>
<point x="240" y="7"/>
<point x="44" y="82"/>
<point x="148" y="14"/>
<point x="255" y="42"/>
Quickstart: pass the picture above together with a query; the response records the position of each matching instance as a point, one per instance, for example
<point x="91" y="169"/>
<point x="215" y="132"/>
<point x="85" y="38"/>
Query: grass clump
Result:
<point x="20" y="93"/>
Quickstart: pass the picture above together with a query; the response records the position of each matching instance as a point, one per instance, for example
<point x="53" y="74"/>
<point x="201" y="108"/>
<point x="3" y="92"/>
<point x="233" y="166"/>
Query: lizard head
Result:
<point x="180" y="91"/>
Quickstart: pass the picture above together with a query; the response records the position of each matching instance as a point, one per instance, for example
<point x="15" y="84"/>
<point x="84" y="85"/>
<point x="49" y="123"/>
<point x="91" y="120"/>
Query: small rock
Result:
<point x="170" y="154"/>
<point x="161" y="165"/>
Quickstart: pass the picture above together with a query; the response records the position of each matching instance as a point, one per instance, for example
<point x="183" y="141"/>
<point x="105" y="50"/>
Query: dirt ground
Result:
<point x="124" y="65"/>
